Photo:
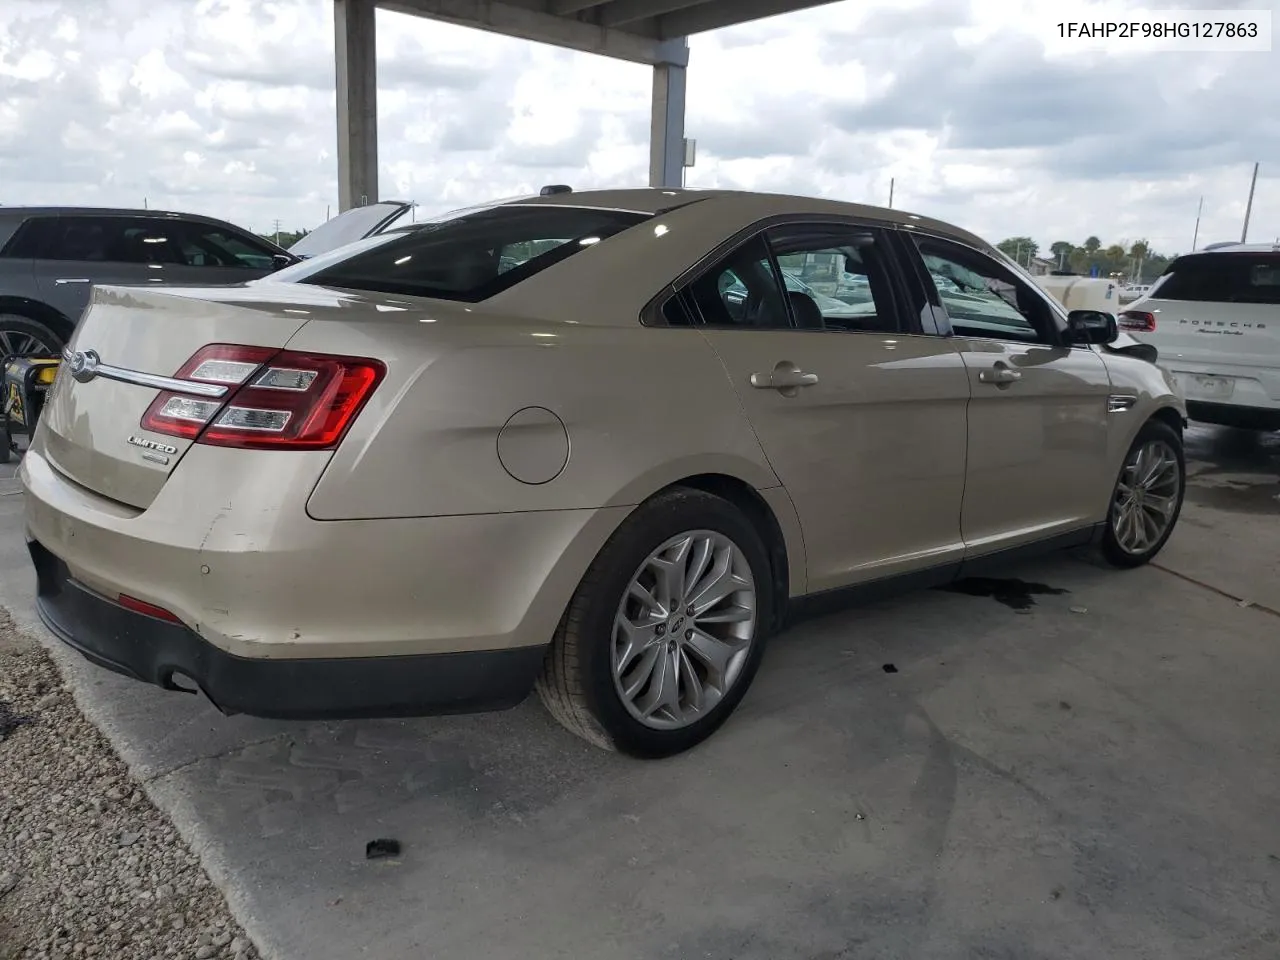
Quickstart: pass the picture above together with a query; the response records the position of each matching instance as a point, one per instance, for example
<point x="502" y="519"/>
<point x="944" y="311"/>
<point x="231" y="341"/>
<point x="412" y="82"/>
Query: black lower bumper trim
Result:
<point x="1230" y="415"/>
<point x="157" y="651"/>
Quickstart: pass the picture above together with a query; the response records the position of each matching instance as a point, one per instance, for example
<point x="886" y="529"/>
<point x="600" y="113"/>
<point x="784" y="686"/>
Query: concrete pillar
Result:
<point x="357" y="81"/>
<point x="666" y="130"/>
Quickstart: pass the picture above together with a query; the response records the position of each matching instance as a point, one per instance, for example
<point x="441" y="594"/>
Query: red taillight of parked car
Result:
<point x="1136" y="321"/>
<point x="276" y="399"/>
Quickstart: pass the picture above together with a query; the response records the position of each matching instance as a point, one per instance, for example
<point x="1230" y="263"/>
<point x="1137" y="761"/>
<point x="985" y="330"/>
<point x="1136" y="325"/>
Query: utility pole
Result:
<point x="891" y="193"/>
<point x="1248" y="209"/>
<point x="277" y="233"/>
<point x="1196" y="236"/>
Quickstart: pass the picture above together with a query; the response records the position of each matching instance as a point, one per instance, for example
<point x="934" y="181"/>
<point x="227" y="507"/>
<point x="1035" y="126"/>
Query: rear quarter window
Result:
<point x="471" y="256"/>
<point x="1222" y="278"/>
<point x="23" y="239"/>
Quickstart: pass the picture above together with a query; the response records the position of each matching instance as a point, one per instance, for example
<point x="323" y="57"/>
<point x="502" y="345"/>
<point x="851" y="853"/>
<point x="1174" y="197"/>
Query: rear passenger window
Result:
<point x="742" y="290"/>
<point x="29" y="239"/>
<point x="1222" y="278"/>
<point x="837" y="278"/>
<point x="112" y="240"/>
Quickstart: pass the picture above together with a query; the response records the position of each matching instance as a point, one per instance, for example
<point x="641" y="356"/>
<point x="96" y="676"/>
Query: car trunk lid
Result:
<point x="1234" y="334"/>
<point x="90" y="428"/>
<point x="1213" y="308"/>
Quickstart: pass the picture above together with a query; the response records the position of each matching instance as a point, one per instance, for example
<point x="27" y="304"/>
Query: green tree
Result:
<point x="1019" y="249"/>
<point x="285" y="238"/>
<point x="1092" y="245"/>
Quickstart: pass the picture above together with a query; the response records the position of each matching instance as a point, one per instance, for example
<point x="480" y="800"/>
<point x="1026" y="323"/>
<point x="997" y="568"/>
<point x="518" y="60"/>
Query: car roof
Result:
<point x="101" y="212"/>
<point x="655" y="200"/>
<point x="1235" y="247"/>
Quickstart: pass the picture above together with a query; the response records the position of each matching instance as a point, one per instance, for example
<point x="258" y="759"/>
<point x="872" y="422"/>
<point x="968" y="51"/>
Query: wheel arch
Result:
<point x="1171" y="416"/>
<point x="785" y="556"/>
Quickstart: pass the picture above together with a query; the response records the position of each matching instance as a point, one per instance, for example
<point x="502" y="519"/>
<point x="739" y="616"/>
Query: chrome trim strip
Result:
<point x="138" y="378"/>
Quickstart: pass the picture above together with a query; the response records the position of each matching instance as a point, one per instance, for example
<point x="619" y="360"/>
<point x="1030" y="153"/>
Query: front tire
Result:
<point x="666" y="631"/>
<point x="1147" y="499"/>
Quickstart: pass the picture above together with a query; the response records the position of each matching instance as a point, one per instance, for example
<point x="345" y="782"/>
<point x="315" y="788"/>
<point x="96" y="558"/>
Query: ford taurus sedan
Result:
<point x="533" y="445"/>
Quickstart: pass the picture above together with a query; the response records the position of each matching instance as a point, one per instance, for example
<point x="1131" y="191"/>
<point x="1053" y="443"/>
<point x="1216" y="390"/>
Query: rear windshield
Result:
<point x="470" y="256"/>
<point x="1222" y="278"/>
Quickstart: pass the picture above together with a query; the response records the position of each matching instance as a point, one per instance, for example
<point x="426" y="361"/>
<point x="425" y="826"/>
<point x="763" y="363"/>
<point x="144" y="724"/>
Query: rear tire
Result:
<point x="1147" y="498"/>
<point x="619" y="635"/>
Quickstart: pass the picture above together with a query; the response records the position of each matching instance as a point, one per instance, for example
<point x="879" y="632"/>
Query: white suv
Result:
<point x="1214" y="316"/>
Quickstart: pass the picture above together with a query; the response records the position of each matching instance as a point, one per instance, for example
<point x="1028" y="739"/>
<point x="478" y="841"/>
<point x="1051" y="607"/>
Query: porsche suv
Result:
<point x="533" y="445"/>
<point x="1214" y="315"/>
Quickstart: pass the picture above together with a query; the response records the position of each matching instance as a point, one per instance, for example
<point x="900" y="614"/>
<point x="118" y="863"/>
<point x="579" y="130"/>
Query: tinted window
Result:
<point x="28" y="237"/>
<point x="110" y="240"/>
<point x="204" y="246"/>
<point x="983" y="297"/>
<point x="742" y="290"/>
<point x="1223" y="278"/>
<point x="469" y="257"/>
<point x="837" y="278"/>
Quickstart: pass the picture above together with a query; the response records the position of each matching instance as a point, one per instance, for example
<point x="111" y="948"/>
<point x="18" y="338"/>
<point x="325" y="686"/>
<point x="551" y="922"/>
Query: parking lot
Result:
<point x="1065" y="762"/>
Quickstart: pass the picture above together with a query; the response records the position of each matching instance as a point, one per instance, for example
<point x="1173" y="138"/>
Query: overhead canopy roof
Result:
<point x="645" y="31"/>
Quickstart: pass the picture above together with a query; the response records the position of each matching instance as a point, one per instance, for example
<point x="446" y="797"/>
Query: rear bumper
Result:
<point x="163" y="653"/>
<point x="1252" y="388"/>
<point x="227" y="547"/>
<point x="1235" y="415"/>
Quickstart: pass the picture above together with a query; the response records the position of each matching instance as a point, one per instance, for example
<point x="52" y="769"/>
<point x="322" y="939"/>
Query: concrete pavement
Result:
<point x="1095" y="776"/>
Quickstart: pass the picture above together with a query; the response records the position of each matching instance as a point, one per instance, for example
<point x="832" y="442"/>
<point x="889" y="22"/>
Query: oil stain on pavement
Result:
<point x="1013" y="593"/>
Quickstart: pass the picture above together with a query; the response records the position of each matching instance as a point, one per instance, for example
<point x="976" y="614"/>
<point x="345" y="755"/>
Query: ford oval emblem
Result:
<point x="84" y="365"/>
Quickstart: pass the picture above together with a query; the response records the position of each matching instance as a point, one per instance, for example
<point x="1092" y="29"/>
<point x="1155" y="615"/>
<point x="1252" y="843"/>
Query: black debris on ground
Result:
<point x="377" y="849"/>
<point x="10" y="720"/>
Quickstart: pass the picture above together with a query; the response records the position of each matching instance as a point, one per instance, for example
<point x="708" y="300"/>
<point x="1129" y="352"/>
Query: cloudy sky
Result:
<point x="226" y="107"/>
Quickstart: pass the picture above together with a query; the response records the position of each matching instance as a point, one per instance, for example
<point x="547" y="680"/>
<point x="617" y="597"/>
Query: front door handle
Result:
<point x="62" y="280"/>
<point x="1000" y="375"/>
<point x="786" y="376"/>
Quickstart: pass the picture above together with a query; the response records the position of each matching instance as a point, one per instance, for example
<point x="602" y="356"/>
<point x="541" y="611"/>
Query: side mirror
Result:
<point x="1091" y="326"/>
<point x="281" y="260"/>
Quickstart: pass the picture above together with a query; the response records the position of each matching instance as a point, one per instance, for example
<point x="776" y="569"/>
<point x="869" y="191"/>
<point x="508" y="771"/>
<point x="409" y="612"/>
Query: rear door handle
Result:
<point x="1000" y="374"/>
<point x="784" y="376"/>
<point x="61" y="280"/>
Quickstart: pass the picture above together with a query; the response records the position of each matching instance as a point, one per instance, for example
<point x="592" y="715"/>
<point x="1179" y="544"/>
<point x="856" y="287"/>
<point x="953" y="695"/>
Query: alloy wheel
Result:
<point x="684" y="629"/>
<point x="19" y="343"/>
<point x="1146" y="500"/>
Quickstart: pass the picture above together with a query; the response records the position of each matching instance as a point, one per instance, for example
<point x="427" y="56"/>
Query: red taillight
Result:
<point x="276" y="399"/>
<point x="1136" y="321"/>
<point x="149" y="609"/>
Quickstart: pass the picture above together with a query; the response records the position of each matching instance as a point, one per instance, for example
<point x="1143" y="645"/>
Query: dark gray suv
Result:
<point x="50" y="257"/>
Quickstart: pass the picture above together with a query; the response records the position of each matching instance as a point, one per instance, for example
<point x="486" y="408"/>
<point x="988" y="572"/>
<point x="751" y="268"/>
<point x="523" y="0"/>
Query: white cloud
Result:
<point x="227" y="107"/>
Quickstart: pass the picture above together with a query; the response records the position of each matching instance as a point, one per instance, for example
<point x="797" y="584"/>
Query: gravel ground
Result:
<point x="88" y="867"/>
